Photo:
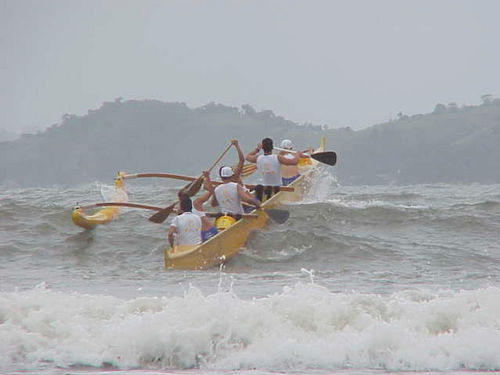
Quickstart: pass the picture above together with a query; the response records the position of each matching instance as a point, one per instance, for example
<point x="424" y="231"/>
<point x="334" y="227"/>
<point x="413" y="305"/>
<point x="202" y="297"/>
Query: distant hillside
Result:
<point x="457" y="145"/>
<point x="449" y="145"/>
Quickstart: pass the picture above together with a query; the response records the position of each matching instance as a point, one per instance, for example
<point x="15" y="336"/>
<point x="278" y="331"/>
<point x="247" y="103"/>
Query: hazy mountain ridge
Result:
<point x="457" y="145"/>
<point x="449" y="145"/>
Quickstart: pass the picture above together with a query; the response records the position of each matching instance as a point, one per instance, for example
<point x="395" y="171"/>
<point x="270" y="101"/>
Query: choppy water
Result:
<point x="360" y="280"/>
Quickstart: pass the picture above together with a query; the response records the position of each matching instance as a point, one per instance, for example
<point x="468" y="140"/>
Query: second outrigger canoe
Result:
<point x="225" y="244"/>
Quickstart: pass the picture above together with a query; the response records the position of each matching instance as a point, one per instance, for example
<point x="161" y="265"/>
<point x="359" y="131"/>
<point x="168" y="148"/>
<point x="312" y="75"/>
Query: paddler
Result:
<point x="185" y="229"/>
<point x="229" y="195"/>
<point x="208" y="229"/>
<point x="289" y="173"/>
<point x="270" y="164"/>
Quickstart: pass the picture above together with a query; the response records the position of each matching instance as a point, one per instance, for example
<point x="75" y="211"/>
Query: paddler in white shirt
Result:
<point x="185" y="229"/>
<point x="269" y="164"/>
<point x="229" y="195"/>
<point x="208" y="228"/>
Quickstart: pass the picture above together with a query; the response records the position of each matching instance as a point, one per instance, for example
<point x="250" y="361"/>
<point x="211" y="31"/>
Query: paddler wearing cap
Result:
<point x="289" y="173"/>
<point x="229" y="195"/>
<point x="270" y="164"/>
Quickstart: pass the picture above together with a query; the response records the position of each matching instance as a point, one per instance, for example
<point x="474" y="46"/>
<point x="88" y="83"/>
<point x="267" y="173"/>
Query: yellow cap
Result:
<point x="223" y="222"/>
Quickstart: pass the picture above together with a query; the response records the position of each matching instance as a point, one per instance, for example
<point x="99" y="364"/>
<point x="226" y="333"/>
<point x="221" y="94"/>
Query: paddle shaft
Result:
<point x="326" y="157"/>
<point x="195" y="186"/>
<point x="292" y="151"/>
<point x="219" y="158"/>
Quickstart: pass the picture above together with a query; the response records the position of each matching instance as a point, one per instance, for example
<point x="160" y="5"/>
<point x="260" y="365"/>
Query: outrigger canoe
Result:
<point x="225" y="244"/>
<point x="104" y="215"/>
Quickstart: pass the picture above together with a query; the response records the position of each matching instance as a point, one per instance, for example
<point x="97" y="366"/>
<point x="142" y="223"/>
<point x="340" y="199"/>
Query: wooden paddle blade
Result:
<point x="277" y="215"/>
<point x="195" y="187"/>
<point x="327" y="157"/>
<point x="248" y="169"/>
<point x="162" y="215"/>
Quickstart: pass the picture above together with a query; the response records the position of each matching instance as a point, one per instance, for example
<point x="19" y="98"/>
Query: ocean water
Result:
<point x="360" y="280"/>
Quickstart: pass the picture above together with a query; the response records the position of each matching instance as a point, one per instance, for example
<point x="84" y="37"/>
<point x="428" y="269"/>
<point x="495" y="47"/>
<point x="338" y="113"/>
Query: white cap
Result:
<point x="226" y="172"/>
<point x="286" y="143"/>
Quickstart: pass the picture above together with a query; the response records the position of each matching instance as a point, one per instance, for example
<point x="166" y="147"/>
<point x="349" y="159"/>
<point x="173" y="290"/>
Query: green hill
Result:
<point x="450" y="145"/>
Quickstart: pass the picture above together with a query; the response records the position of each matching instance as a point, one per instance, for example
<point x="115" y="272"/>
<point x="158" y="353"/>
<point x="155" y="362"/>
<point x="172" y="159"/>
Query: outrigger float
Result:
<point x="103" y="215"/>
<point x="225" y="244"/>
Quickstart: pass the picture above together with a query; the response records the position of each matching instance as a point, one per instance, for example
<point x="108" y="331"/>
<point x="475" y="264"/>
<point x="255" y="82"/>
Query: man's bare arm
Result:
<point x="171" y="232"/>
<point x="253" y="155"/>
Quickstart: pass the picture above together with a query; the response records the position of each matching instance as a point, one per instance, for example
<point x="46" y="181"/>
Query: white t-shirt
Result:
<point x="198" y="213"/>
<point x="188" y="229"/>
<point x="228" y="198"/>
<point x="269" y="166"/>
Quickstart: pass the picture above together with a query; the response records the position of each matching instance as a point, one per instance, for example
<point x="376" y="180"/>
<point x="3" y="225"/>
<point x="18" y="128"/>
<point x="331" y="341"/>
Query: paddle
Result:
<point x="247" y="170"/>
<point x="327" y="157"/>
<point x="162" y="215"/>
<point x="188" y="178"/>
<point x="196" y="186"/>
<point x="275" y="214"/>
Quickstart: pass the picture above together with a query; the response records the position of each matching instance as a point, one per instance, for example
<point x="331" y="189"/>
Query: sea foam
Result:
<point x="304" y="326"/>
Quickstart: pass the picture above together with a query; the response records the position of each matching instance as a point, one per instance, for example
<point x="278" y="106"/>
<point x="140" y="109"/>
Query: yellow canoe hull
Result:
<point x="225" y="244"/>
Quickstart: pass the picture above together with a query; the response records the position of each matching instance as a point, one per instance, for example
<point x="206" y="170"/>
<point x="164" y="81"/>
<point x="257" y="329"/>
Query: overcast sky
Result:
<point x="342" y="63"/>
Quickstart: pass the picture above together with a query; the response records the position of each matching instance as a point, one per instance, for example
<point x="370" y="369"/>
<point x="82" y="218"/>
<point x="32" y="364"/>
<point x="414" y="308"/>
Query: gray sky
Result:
<point x="343" y="63"/>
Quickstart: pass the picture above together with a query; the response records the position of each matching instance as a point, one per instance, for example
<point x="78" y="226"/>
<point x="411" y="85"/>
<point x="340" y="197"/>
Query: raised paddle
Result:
<point x="162" y="215"/>
<point x="189" y="178"/>
<point x="196" y="185"/>
<point x="326" y="157"/>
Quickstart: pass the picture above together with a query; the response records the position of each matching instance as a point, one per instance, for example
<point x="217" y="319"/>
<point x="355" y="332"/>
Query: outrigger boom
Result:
<point x="189" y="178"/>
